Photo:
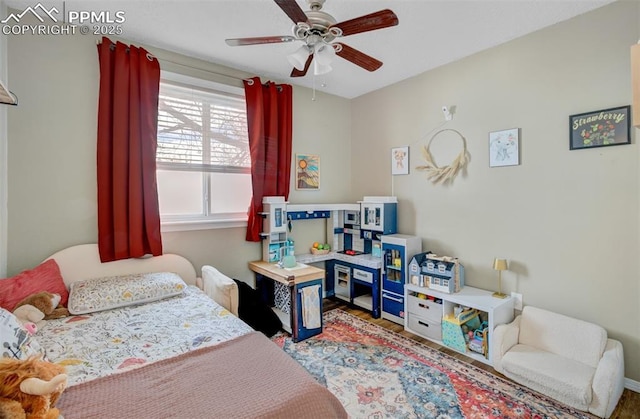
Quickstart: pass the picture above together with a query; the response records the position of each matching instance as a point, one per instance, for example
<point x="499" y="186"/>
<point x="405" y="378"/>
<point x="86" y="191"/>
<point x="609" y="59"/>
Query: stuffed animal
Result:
<point x="47" y="303"/>
<point x="30" y="388"/>
<point x="31" y="327"/>
<point x="28" y="314"/>
<point x="11" y="409"/>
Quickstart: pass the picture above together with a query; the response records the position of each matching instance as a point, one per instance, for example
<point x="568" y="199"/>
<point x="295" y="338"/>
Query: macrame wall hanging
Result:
<point x="444" y="174"/>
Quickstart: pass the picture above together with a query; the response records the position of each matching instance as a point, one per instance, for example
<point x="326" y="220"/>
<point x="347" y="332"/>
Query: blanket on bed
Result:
<point x="246" y="377"/>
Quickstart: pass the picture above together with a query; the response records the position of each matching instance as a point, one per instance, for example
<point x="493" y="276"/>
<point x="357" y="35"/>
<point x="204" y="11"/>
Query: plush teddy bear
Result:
<point x="30" y="388"/>
<point x="46" y="302"/>
<point x="29" y="315"/>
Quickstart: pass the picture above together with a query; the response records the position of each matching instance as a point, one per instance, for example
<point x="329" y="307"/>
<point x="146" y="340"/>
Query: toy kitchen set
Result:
<point x="367" y="261"/>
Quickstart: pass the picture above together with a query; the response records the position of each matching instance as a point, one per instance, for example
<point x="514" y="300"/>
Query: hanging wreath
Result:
<point x="447" y="173"/>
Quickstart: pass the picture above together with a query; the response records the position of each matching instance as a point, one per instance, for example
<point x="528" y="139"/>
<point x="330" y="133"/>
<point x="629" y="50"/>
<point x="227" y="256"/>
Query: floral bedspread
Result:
<point x="107" y="342"/>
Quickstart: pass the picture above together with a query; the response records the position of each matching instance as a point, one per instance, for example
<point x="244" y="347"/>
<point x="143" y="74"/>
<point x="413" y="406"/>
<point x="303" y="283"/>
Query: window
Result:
<point x="203" y="159"/>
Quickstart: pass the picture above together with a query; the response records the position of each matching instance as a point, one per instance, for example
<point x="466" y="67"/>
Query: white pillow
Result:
<point x="98" y="294"/>
<point x="222" y="289"/>
<point x="15" y="341"/>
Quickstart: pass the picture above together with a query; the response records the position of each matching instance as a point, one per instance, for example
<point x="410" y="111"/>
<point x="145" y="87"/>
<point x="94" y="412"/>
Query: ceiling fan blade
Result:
<point x="299" y="73"/>
<point x="378" y="20"/>
<point x="358" y="58"/>
<point x="291" y="8"/>
<point x="236" y="42"/>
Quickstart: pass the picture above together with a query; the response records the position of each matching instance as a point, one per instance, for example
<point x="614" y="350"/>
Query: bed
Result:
<point x="182" y="356"/>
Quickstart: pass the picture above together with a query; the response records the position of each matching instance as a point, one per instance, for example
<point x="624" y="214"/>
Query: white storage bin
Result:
<point x="424" y="327"/>
<point x="428" y="309"/>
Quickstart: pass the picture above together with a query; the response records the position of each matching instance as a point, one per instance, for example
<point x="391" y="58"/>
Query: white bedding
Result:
<point x="104" y="343"/>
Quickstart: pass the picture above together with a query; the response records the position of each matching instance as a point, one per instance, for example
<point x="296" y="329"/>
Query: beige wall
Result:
<point x="52" y="180"/>
<point x="566" y="220"/>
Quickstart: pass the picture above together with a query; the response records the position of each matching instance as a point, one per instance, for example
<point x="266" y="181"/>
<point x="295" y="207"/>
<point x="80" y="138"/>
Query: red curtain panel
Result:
<point x="128" y="214"/>
<point x="269" y="119"/>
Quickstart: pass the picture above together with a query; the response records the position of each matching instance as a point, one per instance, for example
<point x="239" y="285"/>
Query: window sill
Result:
<point x="191" y="225"/>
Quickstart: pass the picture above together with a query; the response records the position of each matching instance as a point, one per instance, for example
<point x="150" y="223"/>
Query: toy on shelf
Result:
<point x="477" y="343"/>
<point x="320" y="249"/>
<point x="452" y="328"/>
<point x="441" y="273"/>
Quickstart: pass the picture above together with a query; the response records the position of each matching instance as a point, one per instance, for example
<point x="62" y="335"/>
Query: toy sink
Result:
<point x="298" y="266"/>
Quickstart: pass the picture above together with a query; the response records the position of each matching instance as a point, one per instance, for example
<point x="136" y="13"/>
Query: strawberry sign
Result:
<point x="600" y="128"/>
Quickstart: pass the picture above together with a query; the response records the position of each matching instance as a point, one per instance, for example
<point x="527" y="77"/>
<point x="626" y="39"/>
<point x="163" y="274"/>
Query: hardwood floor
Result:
<point x="628" y="406"/>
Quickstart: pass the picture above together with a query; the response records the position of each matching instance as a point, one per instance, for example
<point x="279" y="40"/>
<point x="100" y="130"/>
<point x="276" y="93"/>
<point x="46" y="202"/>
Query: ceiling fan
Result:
<point x="318" y="30"/>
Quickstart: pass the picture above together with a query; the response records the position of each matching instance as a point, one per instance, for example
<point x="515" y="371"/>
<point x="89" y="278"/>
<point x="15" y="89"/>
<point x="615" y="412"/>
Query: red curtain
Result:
<point x="269" y="116"/>
<point x="128" y="214"/>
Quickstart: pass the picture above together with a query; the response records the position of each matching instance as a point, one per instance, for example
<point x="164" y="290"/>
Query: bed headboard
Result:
<point x="83" y="262"/>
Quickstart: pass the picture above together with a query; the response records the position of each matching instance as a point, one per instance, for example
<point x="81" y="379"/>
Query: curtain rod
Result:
<point x="112" y="46"/>
<point x="248" y="80"/>
<point x="151" y="57"/>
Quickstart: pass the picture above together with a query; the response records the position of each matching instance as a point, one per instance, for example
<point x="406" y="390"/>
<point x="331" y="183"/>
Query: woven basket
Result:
<point x="315" y="251"/>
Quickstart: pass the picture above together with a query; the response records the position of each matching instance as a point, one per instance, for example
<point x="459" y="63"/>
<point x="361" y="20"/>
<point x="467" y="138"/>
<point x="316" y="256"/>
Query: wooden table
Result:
<point x="294" y="281"/>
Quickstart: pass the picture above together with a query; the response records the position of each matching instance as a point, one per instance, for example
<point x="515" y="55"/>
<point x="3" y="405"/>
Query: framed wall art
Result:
<point x="504" y="148"/>
<point x="307" y="172"/>
<point x="400" y="161"/>
<point x="600" y="128"/>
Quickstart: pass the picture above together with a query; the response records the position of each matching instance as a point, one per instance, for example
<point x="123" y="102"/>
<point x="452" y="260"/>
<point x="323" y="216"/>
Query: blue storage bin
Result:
<point x="392" y="306"/>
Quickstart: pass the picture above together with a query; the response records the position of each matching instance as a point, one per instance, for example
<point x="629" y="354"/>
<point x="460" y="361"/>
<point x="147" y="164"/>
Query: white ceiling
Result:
<point x="430" y="33"/>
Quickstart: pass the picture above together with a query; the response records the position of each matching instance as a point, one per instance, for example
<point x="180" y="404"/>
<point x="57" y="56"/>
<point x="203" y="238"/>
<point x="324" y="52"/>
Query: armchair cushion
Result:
<point x="568" y="380"/>
<point x="562" y="335"/>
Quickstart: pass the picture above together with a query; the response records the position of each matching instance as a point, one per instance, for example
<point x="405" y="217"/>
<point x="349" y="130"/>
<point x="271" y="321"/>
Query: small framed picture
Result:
<point x="400" y="160"/>
<point x="600" y="128"/>
<point x="307" y="172"/>
<point x="504" y="148"/>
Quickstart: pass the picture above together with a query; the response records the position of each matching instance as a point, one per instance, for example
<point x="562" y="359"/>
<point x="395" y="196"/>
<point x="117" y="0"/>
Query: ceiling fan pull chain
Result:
<point x="313" y="96"/>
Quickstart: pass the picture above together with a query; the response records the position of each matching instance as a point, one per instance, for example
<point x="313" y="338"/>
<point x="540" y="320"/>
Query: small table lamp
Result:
<point x="499" y="265"/>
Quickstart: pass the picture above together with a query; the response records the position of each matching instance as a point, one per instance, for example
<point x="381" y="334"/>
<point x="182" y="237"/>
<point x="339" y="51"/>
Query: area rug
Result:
<point x="376" y="373"/>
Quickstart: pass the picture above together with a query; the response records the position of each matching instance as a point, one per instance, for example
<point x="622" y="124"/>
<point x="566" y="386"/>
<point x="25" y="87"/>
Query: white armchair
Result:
<point x="222" y="289"/>
<point x="570" y="360"/>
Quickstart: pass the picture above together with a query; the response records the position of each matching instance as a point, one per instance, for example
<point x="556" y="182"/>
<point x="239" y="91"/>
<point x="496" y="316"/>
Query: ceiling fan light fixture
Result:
<point x="324" y="53"/>
<point x="299" y="57"/>
<point x="319" y="69"/>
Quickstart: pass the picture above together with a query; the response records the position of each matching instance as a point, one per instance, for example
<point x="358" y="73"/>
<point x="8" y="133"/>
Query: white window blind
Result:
<point x="202" y="129"/>
<point x="202" y="156"/>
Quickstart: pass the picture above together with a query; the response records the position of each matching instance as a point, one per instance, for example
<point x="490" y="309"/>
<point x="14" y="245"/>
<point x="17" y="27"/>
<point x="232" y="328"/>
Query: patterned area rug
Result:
<point x="377" y="373"/>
